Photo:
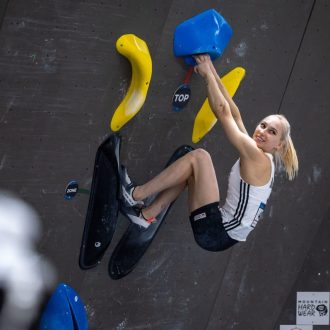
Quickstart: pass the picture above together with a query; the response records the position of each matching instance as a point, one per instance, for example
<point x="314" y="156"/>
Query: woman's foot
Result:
<point x="127" y="189"/>
<point x="136" y="216"/>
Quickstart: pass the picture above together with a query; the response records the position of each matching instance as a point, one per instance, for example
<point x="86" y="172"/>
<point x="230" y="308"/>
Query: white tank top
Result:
<point x="244" y="203"/>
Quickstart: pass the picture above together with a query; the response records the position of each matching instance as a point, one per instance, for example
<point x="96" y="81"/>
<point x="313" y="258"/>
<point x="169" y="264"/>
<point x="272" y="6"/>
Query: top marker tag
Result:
<point x="182" y="94"/>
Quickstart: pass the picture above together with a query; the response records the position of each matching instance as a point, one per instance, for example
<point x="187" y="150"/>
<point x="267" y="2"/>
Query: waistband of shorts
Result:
<point x="205" y="211"/>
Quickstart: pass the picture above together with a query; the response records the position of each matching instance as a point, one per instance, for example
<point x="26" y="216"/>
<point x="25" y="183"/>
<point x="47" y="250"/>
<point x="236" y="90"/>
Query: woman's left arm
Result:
<point x="233" y="107"/>
<point x="220" y="107"/>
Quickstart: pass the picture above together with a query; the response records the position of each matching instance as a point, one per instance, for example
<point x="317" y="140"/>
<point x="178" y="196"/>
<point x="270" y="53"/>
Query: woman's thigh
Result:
<point x="203" y="186"/>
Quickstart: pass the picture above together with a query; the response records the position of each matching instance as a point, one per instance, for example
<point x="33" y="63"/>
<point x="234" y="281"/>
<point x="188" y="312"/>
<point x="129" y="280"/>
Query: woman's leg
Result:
<point x="196" y="170"/>
<point x="163" y="199"/>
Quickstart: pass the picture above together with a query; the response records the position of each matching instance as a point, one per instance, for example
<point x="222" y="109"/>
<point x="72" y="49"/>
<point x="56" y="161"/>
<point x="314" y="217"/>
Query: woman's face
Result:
<point x="268" y="134"/>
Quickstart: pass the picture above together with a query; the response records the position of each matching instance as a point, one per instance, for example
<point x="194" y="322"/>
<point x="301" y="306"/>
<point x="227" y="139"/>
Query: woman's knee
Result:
<point x="201" y="155"/>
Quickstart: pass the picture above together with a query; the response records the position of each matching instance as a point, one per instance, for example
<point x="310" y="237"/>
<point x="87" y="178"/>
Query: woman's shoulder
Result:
<point x="257" y="171"/>
<point x="257" y="156"/>
<point x="269" y="155"/>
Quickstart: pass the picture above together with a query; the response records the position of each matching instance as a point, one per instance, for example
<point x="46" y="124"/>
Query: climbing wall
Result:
<point x="61" y="79"/>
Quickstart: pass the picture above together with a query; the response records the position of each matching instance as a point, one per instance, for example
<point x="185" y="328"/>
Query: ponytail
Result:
<point x="286" y="155"/>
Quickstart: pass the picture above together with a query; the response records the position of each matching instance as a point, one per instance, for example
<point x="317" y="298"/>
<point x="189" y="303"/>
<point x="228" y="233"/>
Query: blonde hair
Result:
<point x="286" y="156"/>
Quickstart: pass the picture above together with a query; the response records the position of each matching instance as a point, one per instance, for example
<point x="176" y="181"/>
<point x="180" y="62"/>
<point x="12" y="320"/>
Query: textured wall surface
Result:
<point x="61" y="79"/>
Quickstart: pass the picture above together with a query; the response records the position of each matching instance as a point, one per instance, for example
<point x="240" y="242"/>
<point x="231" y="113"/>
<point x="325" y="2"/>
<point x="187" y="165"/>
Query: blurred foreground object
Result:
<point x="24" y="275"/>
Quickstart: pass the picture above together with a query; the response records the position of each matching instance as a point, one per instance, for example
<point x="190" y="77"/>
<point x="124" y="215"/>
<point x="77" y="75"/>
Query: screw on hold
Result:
<point x="34" y="57"/>
<point x="97" y="244"/>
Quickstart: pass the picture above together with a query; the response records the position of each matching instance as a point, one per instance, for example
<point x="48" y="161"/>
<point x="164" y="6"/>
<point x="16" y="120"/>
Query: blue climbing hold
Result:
<point x="64" y="311"/>
<point x="207" y="32"/>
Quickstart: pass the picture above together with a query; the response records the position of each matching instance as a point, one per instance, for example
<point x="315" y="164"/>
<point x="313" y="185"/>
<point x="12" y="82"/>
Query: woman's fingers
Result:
<point x="203" y="64"/>
<point x="197" y="58"/>
<point x="202" y="58"/>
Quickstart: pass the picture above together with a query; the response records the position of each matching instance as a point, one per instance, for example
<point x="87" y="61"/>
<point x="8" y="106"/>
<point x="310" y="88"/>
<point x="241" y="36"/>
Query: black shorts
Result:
<point x="208" y="229"/>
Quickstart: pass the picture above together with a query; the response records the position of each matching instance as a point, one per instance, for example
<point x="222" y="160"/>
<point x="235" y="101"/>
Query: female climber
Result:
<point x="251" y="178"/>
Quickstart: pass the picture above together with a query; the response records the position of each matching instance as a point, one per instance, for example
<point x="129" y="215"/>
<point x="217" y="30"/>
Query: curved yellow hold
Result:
<point x="137" y="52"/>
<point x="205" y="118"/>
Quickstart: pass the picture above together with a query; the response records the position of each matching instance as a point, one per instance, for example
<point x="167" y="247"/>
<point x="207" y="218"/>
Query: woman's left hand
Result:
<point x="203" y="67"/>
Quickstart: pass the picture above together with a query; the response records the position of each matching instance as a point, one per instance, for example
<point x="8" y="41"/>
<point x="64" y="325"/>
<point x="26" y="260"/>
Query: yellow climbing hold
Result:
<point x="205" y="118"/>
<point x="137" y="52"/>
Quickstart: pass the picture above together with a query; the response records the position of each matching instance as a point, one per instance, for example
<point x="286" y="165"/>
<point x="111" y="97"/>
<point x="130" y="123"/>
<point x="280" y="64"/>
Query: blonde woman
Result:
<point x="251" y="178"/>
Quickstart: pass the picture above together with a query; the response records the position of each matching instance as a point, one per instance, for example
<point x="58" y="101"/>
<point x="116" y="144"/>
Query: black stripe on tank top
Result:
<point x="241" y="207"/>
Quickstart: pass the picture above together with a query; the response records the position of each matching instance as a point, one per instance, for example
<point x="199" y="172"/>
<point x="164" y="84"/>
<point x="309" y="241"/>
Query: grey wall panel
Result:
<point x="307" y="99"/>
<point x="313" y="275"/>
<point x="61" y="79"/>
<point x="265" y="279"/>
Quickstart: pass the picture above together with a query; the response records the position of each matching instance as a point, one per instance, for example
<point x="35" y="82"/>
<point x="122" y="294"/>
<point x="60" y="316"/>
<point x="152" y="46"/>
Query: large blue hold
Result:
<point x="64" y="311"/>
<point x="207" y="32"/>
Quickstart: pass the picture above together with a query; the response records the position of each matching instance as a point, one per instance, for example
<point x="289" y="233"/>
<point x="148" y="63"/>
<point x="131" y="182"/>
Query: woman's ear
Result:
<point x="279" y="146"/>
